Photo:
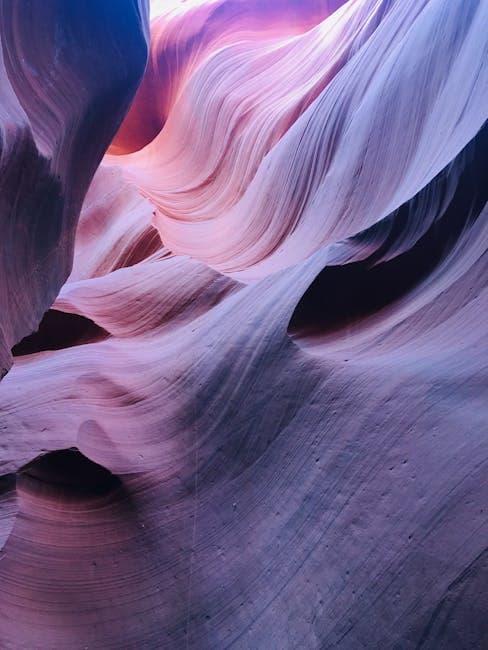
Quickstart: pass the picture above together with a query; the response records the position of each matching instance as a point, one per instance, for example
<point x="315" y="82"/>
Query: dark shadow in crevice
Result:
<point x="69" y="472"/>
<point x="59" y="330"/>
<point x="7" y="484"/>
<point x="342" y="295"/>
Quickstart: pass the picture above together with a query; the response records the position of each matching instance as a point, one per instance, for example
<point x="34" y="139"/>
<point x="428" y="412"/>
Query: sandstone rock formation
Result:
<point x="254" y="413"/>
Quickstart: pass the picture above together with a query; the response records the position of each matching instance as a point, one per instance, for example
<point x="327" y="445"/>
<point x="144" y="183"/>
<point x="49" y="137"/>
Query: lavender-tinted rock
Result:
<point x="255" y="414"/>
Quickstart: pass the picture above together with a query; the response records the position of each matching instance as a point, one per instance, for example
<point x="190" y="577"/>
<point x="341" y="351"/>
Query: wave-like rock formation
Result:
<point x="254" y="412"/>
<point x="57" y="117"/>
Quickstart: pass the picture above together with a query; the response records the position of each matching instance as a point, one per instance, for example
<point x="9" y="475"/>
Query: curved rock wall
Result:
<point x="254" y="415"/>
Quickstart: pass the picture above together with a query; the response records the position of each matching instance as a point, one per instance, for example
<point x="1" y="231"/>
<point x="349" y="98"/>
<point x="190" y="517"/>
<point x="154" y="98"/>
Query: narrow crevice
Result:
<point x="59" y="330"/>
<point x="343" y="295"/>
<point x="69" y="472"/>
<point x="7" y="484"/>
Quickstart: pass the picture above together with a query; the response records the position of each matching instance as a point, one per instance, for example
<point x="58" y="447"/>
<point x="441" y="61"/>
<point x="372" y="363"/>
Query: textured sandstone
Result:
<point x="255" y="414"/>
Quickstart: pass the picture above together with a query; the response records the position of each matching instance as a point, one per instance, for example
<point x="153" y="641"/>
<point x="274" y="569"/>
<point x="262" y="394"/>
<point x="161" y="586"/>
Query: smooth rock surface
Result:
<point x="255" y="414"/>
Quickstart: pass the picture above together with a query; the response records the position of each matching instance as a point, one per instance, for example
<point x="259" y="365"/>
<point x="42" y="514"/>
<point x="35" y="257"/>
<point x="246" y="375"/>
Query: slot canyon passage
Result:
<point x="243" y="324"/>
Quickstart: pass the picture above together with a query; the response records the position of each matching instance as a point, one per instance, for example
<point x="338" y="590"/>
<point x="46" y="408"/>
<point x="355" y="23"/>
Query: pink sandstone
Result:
<point x="245" y="294"/>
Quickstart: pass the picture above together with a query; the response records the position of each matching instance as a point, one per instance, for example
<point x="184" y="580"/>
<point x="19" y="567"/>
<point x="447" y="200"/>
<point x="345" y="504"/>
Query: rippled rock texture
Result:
<point x="248" y="403"/>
